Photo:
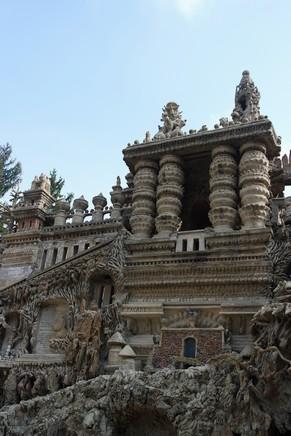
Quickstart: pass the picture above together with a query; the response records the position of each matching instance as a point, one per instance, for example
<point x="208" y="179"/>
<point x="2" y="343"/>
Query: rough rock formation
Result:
<point x="245" y="394"/>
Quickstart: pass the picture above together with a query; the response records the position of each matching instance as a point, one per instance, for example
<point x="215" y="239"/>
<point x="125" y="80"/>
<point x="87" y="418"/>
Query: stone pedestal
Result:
<point x="62" y="209"/>
<point x="169" y="195"/>
<point x="99" y="202"/>
<point x="79" y="206"/>
<point x="143" y="199"/>
<point x="254" y="183"/>
<point x="223" y="186"/>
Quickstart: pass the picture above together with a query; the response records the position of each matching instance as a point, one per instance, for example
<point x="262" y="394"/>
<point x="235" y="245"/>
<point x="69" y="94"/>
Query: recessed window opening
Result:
<point x="190" y="347"/>
<point x="195" y="244"/>
<point x="184" y="244"/>
<point x="87" y="245"/>
<point x="55" y="254"/>
<point x="76" y="249"/>
<point x="43" y="260"/>
<point x="65" y="252"/>
<point x="101" y="294"/>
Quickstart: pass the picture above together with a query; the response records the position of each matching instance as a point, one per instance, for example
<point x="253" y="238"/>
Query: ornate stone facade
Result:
<point x="164" y="280"/>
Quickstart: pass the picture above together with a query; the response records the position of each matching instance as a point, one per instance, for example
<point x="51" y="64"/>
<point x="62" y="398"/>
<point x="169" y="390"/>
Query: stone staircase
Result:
<point x="44" y="332"/>
<point x="40" y="358"/>
<point x="238" y="342"/>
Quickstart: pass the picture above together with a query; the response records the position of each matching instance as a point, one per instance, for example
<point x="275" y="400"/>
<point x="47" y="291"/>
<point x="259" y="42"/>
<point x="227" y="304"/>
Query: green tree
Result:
<point x="10" y="170"/>
<point x="57" y="184"/>
<point x="10" y="177"/>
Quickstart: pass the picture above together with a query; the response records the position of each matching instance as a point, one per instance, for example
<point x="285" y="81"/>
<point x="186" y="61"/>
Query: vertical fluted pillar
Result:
<point x="223" y="186"/>
<point x="254" y="183"/>
<point x="143" y="198"/>
<point x="169" y="195"/>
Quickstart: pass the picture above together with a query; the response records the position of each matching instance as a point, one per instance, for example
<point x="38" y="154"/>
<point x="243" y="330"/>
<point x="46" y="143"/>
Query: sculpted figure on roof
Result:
<point x="247" y="99"/>
<point x="172" y="122"/>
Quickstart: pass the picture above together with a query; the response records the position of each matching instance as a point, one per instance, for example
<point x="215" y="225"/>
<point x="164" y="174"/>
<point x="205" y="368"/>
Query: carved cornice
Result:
<point x="203" y="142"/>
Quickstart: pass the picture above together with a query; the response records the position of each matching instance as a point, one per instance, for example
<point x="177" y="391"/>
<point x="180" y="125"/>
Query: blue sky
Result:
<point x="79" y="79"/>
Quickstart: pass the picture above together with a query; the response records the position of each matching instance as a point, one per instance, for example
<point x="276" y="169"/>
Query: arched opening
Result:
<point x="190" y="347"/>
<point x="144" y="422"/>
<point x="273" y="431"/>
<point x="195" y="202"/>
<point x="52" y="324"/>
<point x="101" y="291"/>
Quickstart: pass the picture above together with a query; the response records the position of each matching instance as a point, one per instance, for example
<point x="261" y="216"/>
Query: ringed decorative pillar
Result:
<point x="254" y="183"/>
<point x="223" y="185"/>
<point x="169" y="195"/>
<point x="143" y="198"/>
<point x="99" y="202"/>
<point x="62" y="210"/>
<point x="79" y="206"/>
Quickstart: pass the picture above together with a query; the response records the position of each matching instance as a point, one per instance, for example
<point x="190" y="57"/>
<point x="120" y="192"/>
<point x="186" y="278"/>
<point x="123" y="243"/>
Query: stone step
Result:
<point x="40" y="358"/>
<point x="238" y="342"/>
<point x="141" y="340"/>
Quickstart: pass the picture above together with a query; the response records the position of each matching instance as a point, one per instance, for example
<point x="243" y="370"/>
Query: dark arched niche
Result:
<point x="101" y="290"/>
<point x="144" y="422"/>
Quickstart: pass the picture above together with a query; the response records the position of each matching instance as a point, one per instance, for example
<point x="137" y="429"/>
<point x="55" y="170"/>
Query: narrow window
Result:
<point x="30" y="223"/>
<point x="195" y="244"/>
<point x="100" y="300"/>
<point x="43" y="260"/>
<point x="189" y="347"/>
<point x="87" y="245"/>
<point x="55" y="254"/>
<point x="111" y="295"/>
<point x="184" y="244"/>
<point x="76" y="249"/>
<point x="65" y="252"/>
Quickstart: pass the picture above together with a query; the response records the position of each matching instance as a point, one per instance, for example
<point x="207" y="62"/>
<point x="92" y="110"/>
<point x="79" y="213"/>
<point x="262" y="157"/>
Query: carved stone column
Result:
<point x="143" y="198"/>
<point x="169" y="195"/>
<point x="254" y="183"/>
<point x="223" y="185"/>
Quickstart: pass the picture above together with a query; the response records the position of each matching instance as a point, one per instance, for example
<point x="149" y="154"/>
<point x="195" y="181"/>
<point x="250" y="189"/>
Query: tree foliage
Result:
<point x="57" y="184"/>
<point x="10" y="170"/>
<point x="10" y="177"/>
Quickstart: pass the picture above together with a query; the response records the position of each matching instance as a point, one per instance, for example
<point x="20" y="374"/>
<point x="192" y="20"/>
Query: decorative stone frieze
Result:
<point x="254" y="184"/>
<point x="169" y="195"/>
<point x="223" y="185"/>
<point x="143" y="199"/>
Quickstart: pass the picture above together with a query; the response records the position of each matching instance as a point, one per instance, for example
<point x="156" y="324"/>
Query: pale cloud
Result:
<point x="187" y="8"/>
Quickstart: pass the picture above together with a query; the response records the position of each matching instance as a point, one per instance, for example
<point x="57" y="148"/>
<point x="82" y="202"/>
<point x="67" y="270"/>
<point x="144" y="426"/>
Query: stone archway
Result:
<point x="143" y="422"/>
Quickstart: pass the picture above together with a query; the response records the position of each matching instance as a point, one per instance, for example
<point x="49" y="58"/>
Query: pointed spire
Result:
<point x="247" y="99"/>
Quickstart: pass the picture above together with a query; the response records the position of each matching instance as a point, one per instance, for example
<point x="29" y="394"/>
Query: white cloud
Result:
<point x="187" y="8"/>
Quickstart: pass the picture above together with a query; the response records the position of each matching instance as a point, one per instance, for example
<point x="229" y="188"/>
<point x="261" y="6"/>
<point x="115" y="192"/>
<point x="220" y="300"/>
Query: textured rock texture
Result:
<point x="246" y="395"/>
